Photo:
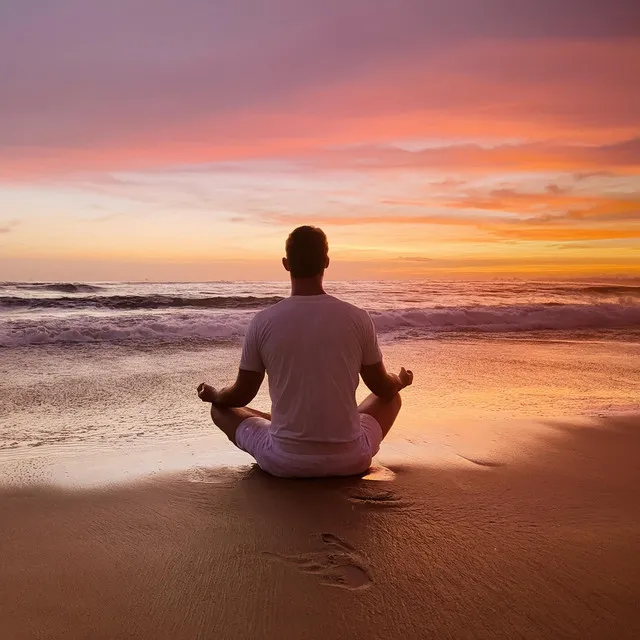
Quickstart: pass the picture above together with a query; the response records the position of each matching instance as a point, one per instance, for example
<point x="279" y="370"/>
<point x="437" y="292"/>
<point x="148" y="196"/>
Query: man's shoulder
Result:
<point x="350" y="307"/>
<point x="286" y="305"/>
<point x="266" y="313"/>
<point x="351" y="311"/>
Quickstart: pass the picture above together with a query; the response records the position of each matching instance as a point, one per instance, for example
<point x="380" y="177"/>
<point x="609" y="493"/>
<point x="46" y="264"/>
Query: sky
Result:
<point x="184" y="139"/>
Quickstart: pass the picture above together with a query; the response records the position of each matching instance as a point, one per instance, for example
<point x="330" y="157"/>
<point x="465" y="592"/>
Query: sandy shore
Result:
<point x="543" y="548"/>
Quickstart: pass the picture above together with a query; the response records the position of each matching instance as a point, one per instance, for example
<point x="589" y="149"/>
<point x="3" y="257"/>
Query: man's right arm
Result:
<point x="383" y="384"/>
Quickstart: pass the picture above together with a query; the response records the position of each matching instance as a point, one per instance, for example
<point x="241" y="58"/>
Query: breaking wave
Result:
<point x="171" y="327"/>
<point x="508" y="318"/>
<point x="603" y="290"/>
<point x="123" y="329"/>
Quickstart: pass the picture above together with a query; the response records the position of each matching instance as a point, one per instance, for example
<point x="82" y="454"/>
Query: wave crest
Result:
<point x="231" y="324"/>
<point x="59" y="287"/>
<point x="138" y="302"/>
<point x="509" y="318"/>
<point x="124" y="329"/>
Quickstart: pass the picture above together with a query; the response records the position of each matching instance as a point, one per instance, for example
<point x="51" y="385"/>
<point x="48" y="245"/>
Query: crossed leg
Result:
<point x="228" y="419"/>
<point x="384" y="410"/>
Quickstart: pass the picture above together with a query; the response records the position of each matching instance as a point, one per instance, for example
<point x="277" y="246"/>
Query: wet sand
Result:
<point x="542" y="546"/>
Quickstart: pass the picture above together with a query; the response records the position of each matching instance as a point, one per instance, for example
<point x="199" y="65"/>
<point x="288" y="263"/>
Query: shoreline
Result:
<point x="452" y="442"/>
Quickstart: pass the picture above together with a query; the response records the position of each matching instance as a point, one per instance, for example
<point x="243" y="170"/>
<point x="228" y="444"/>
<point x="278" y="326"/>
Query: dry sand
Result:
<point x="546" y="547"/>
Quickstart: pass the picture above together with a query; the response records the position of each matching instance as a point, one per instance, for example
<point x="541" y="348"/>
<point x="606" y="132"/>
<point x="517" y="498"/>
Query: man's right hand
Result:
<point x="401" y="380"/>
<point x="382" y="383"/>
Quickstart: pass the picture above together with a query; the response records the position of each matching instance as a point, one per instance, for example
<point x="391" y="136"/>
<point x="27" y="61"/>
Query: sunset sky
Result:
<point x="183" y="139"/>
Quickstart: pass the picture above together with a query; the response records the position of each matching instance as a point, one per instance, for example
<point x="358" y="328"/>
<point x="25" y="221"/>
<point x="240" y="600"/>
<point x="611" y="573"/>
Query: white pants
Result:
<point x="278" y="459"/>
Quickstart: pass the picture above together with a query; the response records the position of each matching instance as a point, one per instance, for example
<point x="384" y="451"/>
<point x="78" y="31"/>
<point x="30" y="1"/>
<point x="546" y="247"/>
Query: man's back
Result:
<point x="313" y="348"/>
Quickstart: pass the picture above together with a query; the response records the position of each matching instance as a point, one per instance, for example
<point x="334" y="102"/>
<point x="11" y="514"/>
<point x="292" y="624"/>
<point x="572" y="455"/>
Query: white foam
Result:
<point x="113" y="329"/>
<point x="507" y="318"/>
<point x="231" y="325"/>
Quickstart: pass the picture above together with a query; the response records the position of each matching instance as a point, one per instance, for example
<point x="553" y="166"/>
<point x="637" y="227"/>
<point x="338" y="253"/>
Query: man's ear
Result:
<point x="326" y="262"/>
<point x="285" y="264"/>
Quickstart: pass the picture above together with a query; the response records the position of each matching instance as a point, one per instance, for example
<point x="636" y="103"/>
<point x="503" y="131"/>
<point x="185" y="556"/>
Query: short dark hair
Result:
<point x="307" y="249"/>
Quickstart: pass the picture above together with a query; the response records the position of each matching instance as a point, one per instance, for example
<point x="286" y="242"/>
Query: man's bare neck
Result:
<point x="307" y="286"/>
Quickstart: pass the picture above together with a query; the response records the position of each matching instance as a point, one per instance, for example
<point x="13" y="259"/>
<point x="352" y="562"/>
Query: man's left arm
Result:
<point x="239" y="394"/>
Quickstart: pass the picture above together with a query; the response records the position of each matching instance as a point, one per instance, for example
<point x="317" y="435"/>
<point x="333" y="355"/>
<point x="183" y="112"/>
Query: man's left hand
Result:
<point x="207" y="393"/>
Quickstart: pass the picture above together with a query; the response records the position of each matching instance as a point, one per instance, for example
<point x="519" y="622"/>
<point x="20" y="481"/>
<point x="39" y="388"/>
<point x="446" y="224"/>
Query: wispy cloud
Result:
<point x="287" y="220"/>
<point x="555" y="233"/>
<point x="10" y="225"/>
<point x="414" y="259"/>
<point x="550" y="206"/>
<point x="505" y="214"/>
<point x="476" y="158"/>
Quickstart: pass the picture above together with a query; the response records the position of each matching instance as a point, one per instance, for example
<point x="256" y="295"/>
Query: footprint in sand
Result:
<point x="337" y="564"/>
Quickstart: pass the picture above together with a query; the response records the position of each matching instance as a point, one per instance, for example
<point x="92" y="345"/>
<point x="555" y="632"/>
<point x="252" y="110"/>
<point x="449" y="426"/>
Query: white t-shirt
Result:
<point x="312" y="348"/>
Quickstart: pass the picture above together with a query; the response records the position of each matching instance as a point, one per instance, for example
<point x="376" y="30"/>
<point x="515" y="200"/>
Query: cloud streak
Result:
<point x="505" y="214"/>
<point x="621" y="156"/>
<point x="7" y="227"/>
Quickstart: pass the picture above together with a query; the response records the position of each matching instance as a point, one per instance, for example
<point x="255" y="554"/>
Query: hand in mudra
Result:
<point x="206" y="392"/>
<point x="406" y="377"/>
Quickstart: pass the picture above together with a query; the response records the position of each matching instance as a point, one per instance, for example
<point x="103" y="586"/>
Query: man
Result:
<point x="313" y="346"/>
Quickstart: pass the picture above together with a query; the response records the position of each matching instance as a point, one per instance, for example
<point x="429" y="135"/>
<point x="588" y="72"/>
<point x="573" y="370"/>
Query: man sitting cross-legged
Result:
<point x="313" y="348"/>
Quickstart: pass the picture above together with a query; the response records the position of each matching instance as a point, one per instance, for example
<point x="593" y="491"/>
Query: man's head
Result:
<point x="307" y="252"/>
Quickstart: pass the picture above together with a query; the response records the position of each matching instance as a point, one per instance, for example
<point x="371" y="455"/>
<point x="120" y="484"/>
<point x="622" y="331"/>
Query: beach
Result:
<point x="505" y="502"/>
<point x="545" y="548"/>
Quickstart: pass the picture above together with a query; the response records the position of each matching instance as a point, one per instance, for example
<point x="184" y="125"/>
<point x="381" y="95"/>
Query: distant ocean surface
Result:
<point x="34" y="313"/>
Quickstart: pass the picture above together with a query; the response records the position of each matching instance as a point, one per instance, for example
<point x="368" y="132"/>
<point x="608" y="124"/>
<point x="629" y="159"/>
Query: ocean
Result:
<point x="102" y="376"/>
<point x="133" y="313"/>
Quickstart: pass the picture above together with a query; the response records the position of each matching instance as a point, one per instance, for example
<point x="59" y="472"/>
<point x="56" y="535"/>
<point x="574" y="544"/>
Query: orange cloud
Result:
<point x="560" y="233"/>
<point x="344" y="221"/>
<point x="549" y="216"/>
<point x="552" y="205"/>
<point x="623" y="157"/>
